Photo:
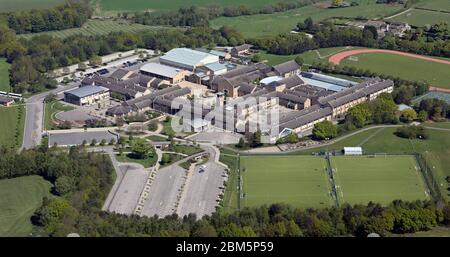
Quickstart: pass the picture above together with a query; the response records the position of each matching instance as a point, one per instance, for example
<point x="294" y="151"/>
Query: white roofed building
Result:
<point x="169" y="73"/>
<point x="187" y="58"/>
<point x="353" y="151"/>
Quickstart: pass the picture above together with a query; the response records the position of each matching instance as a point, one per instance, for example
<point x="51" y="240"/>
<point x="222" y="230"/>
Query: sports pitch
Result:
<point x="298" y="180"/>
<point x="379" y="179"/>
<point x="302" y="181"/>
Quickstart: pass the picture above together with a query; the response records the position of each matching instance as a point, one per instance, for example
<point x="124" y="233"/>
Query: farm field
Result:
<point x="4" y="75"/>
<point x="20" y="198"/>
<point x="18" y="5"/>
<point x="50" y="110"/>
<point x="436" y="74"/>
<point x="378" y="179"/>
<point x="98" y="27"/>
<point x="298" y="180"/>
<point x="443" y="5"/>
<point x="420" y="18"/>
<point x="10" y="123"/>
<point x="276" y="23"/>
<point x="140" y="5"/>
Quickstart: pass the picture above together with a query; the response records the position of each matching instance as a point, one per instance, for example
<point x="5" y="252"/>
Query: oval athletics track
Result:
<point x="337" y="58"/>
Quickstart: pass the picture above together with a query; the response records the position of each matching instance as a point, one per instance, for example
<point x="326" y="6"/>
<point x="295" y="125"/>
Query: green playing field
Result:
<point x="381" y="179"/>
<point x="297" y="180"/>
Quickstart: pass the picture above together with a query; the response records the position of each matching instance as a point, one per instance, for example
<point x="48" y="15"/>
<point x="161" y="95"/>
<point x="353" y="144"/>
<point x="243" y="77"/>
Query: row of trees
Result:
<point x="200" y="16"/>
<point x="70" y="15"/>
<point x="328" y="35"/>
<point x="379" y="111"/>
<point x="30" y="59"/>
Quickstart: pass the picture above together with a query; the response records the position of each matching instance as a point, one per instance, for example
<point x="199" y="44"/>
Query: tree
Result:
<point x="82" y="66"/>
<point x="241" y="143"/>
<point x="93" y="142"/>
<point x="95" y="61"/>
<point x="337" y="3"/>
<point x="64" y="185"/>
<point x="141" y="149"/>
<point x="408" y="115"/>
<point x="299" y="60"/>
<point x="325" y="130"/>
<point x="423" y="116"/>
<point x="256" y="58"/>
<point x="292" y="138"/>
<point x="256" y="139"/>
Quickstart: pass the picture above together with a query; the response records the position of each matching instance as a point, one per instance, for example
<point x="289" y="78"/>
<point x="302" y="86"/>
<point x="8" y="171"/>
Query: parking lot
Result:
<point x="77" y="138"/>
<point x="164" y="191"/>
<point x="203" y="190"/>
<point x="126" y="197"/>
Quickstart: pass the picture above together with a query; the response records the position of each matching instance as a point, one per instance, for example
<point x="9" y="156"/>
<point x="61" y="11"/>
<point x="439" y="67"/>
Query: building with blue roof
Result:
<point x="87" y="95"/>
<point x="187" y="58"/>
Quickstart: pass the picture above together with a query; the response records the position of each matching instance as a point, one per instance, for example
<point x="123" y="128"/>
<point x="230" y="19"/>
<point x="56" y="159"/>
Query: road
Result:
<point x="34" y="118"/>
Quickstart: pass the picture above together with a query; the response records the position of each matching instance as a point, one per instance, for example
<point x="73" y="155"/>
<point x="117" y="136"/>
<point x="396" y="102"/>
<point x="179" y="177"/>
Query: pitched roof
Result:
<point x="161" y="70"/>
<point x="86" y="91"/>
<point x="286" y="67"/>
<point x="119" y="74"/>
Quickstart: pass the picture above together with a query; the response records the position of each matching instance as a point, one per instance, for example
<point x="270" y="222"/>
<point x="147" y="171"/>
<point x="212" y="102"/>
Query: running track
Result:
<point x="337" y="58"/>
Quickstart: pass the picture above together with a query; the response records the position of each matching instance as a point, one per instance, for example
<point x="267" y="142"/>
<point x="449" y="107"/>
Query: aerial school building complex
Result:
<point x="304" y="98"/>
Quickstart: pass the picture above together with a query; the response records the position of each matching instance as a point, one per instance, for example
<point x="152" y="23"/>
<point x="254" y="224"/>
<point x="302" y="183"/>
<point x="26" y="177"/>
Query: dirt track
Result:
<point x="337" y="58"/>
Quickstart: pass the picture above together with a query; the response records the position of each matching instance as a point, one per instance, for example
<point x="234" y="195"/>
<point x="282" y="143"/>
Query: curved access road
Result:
<point x="337" y="58"/>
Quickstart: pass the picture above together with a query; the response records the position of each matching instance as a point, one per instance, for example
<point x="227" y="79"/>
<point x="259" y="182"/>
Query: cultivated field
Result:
<point x="99" y="27"/>
<point x="11" y="125"/>
<point x="140" y="5"/>
<point x="378" y="179"/>
<point x="273" y="24"/>
<point x="420" y="18"/>
<point x="20" y="197"/>
<point x="17" y="5"/>
<point x="409" y="68"/>
<point x="298" y="180"/>
<point x="4" y="75"/>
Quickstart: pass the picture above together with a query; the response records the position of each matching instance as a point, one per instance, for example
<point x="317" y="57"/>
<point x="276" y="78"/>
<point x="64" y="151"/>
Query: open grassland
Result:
<point x="378" y="179"/>
<point x="405" y="67"/>
<point x="298" y="180"/>
<point x="439" y="5"/>
<point x="309" y="57"/>
<point x="19" y="5"/>
<point x="4" y="75"/>
<point x="99" y="27"/>
<point x="20" y="197"/>
<point x="419" y="18"/>
<point x="383" y="140"/>
<point x="11" y="125"/>
<point x="276" y="23"/>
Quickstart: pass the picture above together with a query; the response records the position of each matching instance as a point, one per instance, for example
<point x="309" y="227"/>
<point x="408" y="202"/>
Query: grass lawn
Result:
<point x="436" y="74"/>
<point x="273" y="24"/>
<point x="380" y="179"/>
<point x="18" y="5"/>
<point x="4" y="75"/>
<point x="99" y="27"/>
<point x="157" y="138"/>
<point x="298" y="180"/>
<point x="186" y="149"/>
<point x="147" y="163"/>
<point x="230" y="199"/>
<point x="173" y="158"/>
<point x="309" y="57"/>
<point x="20" y="198"/>
<point x="50" y="110"/>
<point x="12" y="125"/>
<point x="420" y="18"/>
